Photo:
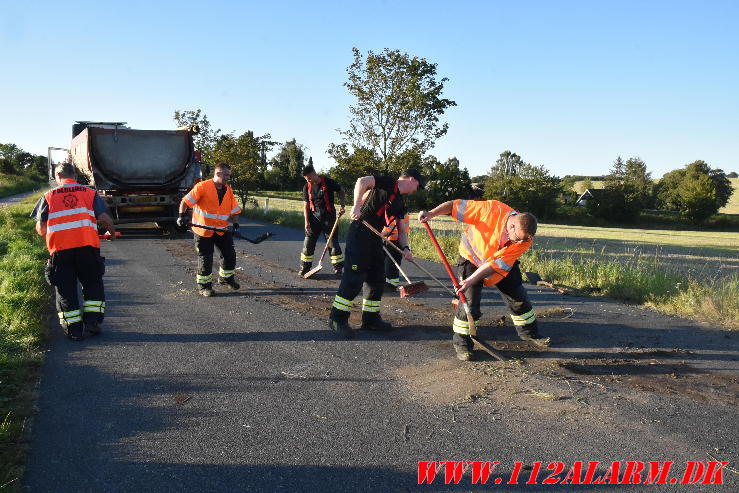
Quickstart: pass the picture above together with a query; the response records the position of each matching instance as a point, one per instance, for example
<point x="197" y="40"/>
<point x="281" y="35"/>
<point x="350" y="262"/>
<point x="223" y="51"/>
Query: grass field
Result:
<point x="733" y="206"/>
<point x="12" y="184"/>
<point x="24" y="297"/>
<point x="689" y="273"/>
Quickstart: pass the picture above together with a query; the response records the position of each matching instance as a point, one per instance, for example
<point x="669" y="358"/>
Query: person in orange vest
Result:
<point x="392" y="275"/>
<point x="68" y="217"/>
<point x="377" y="200"/>
<point x="495" y="237"/>
<point x="213" y="205"/>
<point x="319" y="213"/>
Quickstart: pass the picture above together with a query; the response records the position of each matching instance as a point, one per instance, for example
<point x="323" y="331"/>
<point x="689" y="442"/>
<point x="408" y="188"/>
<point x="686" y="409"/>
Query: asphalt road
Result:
<point x="250" y="391"/>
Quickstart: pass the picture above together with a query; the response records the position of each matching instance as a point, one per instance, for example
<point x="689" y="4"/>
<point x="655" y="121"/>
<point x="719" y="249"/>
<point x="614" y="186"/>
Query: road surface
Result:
<point x="250" y="391"/>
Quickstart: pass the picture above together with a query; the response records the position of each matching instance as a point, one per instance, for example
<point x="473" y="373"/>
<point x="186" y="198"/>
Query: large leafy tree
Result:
<point x="523" y="186"/>
<point x="245" y="155"/>
<point x="398" y="105"/>
<point x="627" y="191"/>
<point x="447" y="181"/>
<point x="286" y="167"/>
<point x="206" y="137"/>
<point x="352" y="164"/>
<point x="697" y="191"/>
<point x="16" y="161"/>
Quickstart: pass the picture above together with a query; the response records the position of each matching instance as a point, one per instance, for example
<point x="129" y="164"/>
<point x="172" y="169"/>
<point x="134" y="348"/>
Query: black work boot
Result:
<point x="74" y="331"/>
<point x="373" y="321"/>
<point x="304" y="269"/>
<point x="206" y="290"/>
<point x="93" y="327"/>
<point x="463" y="347"/>
<point x="339" y="322"/>
<point x="531" y="333"/>
<point x="230" y="282"/>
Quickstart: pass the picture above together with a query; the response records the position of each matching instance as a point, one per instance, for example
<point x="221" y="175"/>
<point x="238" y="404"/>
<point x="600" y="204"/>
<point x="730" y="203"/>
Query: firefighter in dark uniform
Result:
<point x="320" y="215"/>
<point x="68" y="217"/>
<point x="377" y="200"/>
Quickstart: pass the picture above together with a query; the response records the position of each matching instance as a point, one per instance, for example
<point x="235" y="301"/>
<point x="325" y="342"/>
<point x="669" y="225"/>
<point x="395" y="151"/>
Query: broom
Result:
<point x="412" y="287"/>
<point x="420" y="267"/>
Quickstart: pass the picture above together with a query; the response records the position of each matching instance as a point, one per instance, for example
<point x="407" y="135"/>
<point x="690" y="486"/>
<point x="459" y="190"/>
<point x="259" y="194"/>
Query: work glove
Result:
<point x="182" y="221"/>
<point x="236" y="228"/>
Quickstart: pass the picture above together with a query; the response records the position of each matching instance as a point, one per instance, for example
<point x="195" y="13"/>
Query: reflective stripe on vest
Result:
<point x="326" y="201"/>
<point x="208" y="211"/>
<point x="392" y="231"/>
<point x="71" y="222"/>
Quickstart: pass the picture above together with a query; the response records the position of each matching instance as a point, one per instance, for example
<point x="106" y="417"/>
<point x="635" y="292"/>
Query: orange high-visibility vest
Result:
<point x="392" y="231"/>
<point x="71" y="222"/>
<point x="206" y="210"/>
<point x="480" y="243"/>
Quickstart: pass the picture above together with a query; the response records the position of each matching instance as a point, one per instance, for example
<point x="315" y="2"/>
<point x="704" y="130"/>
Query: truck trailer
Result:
<point x="141" y="174"/>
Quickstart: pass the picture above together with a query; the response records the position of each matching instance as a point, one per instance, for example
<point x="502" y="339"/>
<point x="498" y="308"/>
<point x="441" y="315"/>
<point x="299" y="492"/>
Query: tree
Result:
<point x="398" y="105"/>
<point x="16" y="161"/>
<point x="244" y="154"/>
<point x="447" y="181"/>
<point x="697" y="191"/>
<point x="206" y="137"/>
<point x="523" y="186"/>
<point x="628" y="190"/>
<point x="733" y="174"/>
<point x="351" y="165"/>
<point x="286" y="168"/>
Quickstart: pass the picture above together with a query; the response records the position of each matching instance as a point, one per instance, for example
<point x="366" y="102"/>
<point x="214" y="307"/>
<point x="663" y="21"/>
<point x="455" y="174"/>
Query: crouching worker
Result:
<point x="213" y="205"/>
<point x="68" y="217"/>
<point x="377" y="200"/>
<point x="495" y="237"/>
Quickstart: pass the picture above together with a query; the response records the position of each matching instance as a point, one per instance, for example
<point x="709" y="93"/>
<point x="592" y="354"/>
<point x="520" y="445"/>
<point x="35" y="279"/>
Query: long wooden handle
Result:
<point x="396" y="264"/>
<point x="369" y="226"/>
<point x="330" y="235"/>
<point x="462" y="298"/>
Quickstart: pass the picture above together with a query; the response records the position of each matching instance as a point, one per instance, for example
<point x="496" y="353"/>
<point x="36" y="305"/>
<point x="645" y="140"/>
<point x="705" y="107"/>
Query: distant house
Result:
<point x="590" y="194"/>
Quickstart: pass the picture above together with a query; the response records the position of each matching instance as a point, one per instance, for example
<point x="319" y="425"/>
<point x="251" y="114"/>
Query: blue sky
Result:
<point x="568" y="85"/>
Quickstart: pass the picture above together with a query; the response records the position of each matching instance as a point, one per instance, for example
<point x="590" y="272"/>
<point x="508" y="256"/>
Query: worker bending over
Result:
<point x="213" y="205"/>
<point x="377" y="200"/>
<point x="496" y="236"/>
<point x="68" y="217"/>
<point x="319" y="213"/>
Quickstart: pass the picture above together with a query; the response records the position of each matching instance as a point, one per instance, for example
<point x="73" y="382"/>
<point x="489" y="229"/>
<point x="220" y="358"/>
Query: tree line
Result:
<point x="395" y="121"/>
<point x="15" y="161"/>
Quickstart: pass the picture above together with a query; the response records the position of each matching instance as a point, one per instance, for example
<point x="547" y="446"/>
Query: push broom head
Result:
<point x="413" y="288"/>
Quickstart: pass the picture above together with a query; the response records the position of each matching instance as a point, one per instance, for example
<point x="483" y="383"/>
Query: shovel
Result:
<point x="256" y="240"/>
<point x="412" y="287"/>
<point x="325" y="249"/>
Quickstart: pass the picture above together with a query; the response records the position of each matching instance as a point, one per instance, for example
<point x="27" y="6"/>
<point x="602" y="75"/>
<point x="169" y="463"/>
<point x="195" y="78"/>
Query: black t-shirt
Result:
<point x="317" y="194"/>
<point x="377" y="198"/>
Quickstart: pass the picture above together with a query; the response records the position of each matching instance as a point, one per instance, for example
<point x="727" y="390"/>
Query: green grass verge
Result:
<point x="24" y="296"/>
<point x="660" y="281"/>
<point x="12" y="185"/>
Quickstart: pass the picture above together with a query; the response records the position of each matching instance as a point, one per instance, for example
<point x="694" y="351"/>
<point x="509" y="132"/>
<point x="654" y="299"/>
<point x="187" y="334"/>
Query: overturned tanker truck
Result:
<point x="141" y="174"/>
